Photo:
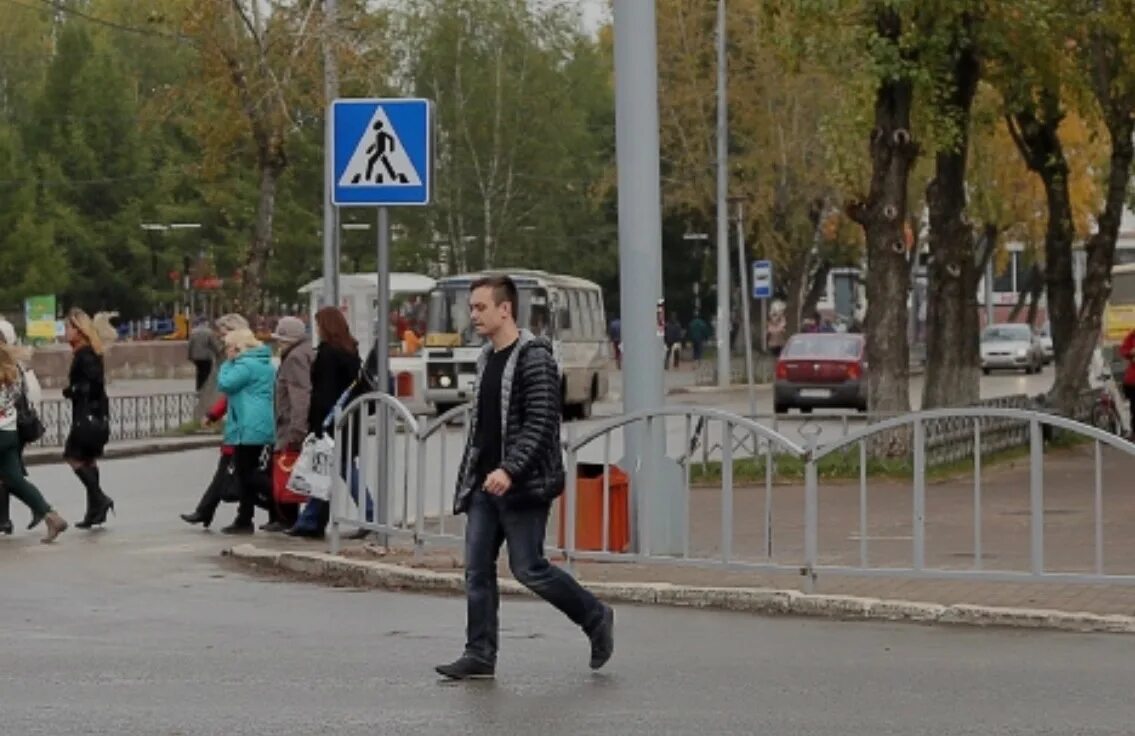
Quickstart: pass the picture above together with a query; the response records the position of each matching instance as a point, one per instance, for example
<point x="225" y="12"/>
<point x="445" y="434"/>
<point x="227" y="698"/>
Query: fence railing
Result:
<point x="131" y="417"/>
<point x="715" y="489"/>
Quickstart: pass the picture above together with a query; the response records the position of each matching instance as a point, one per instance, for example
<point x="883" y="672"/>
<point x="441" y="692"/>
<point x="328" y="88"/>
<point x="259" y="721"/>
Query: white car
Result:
<point x="1011" y="346"/>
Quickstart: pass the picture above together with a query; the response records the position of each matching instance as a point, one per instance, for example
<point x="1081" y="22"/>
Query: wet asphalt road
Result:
<point x="142" y="630"/>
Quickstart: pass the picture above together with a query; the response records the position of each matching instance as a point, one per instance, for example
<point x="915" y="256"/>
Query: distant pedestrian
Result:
<point x="12" y="391"/>
<point x="33" y="394"/>
<point x="699" y="334"/>
<point x="1127" y="352"/>
<point x="673" y="340"/>
<point x="777" y="334"/>
<point x="511" y="471"/>
<point x="203" y="350"/>
<point x="90" y="410"/>
<point x="248" y="379"/>
<point x="225" y="473"/>
<point x="293" y="399"/>
<point x="333" y="372"/>
<point x="615" y="332"/>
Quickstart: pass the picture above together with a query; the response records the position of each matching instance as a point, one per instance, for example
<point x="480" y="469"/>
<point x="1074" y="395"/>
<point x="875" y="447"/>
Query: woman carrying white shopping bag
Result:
<point x="333" y="376"/>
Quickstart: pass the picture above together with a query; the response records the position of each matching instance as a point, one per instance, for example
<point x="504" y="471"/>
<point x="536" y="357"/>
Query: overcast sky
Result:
<point x="594" y="13"/>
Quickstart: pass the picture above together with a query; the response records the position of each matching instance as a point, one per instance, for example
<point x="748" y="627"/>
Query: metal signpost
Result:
<point x="762" y="290"/>
<point x="381" y="156"/>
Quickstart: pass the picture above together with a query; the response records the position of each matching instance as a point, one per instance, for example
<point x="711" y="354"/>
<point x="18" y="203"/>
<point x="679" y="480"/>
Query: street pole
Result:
<point x="989" y="292"/>
<point x="640" y="275"/>
<point x="724" y="362"/>
<point x="742" y="257"/>
<point x="382" y="374"/>
<point x="330" y="226"/>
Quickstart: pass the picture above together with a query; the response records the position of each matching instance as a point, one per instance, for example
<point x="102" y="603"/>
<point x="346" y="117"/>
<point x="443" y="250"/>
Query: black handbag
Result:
<point x="91" y="432"/>
<point x="29" y="428"/>
<point x="229" y="482"/>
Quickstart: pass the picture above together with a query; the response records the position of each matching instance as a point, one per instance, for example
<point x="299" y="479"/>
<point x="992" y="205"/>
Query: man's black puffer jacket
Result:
<point x="532" y="457"/>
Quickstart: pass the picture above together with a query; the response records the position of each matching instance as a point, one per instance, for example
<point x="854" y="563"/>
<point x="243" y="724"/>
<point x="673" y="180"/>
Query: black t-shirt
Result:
<point x="489" y="428"/>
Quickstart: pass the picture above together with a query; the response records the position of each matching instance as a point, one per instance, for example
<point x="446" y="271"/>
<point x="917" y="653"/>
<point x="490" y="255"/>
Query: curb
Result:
<point x="54" y="455"/>
<point x="337" y="570"/>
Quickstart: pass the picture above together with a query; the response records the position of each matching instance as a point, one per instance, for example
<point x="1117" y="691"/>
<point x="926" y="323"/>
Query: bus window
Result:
<point x="540" y="317"/>
<point x="577" y="317"/>
<point x="595" y="306"/>
<point x="586" y="314"/>
<point x="564" y="325"/>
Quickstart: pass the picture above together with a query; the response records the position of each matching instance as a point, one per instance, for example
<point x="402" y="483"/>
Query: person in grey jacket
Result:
<point x="293" y="399"/>
<point x="203" y="350"/>
<point x="511" y="472"/>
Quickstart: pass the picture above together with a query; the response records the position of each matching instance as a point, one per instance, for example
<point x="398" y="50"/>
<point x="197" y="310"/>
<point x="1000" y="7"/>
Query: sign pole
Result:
<point x="746" y="322"/>
<point x="382" y="372"/>
<point x="381" y="156"/>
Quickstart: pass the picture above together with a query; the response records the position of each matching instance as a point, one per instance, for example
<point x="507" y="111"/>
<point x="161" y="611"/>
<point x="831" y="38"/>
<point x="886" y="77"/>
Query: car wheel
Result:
<point x="805" y="410"/>
<point x="780" y="408"/>
<point x="987" y="371"/>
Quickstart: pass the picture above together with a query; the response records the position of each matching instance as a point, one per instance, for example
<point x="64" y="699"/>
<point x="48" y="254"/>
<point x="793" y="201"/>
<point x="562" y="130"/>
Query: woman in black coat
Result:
<point x="334" y="371"/>
<point x="90" y="414"/>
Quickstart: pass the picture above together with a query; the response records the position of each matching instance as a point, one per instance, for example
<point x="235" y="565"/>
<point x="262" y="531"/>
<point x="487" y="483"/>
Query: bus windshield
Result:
<point x="449" y="312"/>
<point x="1122" y="288"/>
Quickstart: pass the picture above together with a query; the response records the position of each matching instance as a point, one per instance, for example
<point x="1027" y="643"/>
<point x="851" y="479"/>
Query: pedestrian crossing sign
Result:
<point x="381" y="152"/>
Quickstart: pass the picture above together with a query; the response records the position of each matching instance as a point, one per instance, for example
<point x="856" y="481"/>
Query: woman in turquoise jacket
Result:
<point x="248" y="379"/>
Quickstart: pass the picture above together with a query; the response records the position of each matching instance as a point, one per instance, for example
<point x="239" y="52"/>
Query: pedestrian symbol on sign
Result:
<point x="380" y="158"/>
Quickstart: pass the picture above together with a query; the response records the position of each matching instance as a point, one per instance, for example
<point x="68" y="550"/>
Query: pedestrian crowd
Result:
<point x="268" y="412"/>
<point x="90" y="423"/>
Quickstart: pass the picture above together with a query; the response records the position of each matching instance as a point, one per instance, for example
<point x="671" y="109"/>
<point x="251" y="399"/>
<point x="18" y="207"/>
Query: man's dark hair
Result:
<point x="504" y="290"/>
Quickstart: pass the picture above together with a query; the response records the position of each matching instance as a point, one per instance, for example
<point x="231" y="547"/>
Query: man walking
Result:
<point x="203" y="349"/>
<point x="511" y="472"/>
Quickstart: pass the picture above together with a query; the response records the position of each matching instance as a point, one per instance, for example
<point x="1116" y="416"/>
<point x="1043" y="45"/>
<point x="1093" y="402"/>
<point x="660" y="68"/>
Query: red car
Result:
<point x="821" y="370"/>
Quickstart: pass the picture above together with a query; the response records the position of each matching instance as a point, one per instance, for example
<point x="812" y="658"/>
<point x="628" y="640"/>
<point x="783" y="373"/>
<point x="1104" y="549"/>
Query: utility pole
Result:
<point x="724" y="360"/>
<point x="330" y="92"/>
<point x="661" y="519"/>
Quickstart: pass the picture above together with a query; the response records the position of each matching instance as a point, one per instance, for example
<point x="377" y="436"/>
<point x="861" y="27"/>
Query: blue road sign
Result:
<point x="762" y="279"/>
<point x="381" y="151"/>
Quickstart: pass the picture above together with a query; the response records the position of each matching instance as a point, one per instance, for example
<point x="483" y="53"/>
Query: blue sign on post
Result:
<point x="381" y="152"/>
<point x="762" y="279"/>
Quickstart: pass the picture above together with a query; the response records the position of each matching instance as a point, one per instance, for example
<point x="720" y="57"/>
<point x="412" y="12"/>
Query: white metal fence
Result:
<point x="131" y="417"/>
<point x="711" y="488"/>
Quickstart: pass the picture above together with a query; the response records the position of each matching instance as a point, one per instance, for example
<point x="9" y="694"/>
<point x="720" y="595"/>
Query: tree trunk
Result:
<point x="271" y="165"/>
<point x="1072" y="371"/>
<point x="952" y="355"/>
<point x="893" y="152"/>
<point x="816" y="282"/>
<point x="1036" y="287"/>
<point x="1036" y="133"/>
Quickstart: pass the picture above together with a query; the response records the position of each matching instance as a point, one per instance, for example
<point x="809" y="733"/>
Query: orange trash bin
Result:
<point x="404" y="386"/>
<point x="589" y="509"/>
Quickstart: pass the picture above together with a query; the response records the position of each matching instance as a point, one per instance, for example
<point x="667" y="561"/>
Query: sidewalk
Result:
<point x="1069" y="547"/>
<point x="130" y="448"/>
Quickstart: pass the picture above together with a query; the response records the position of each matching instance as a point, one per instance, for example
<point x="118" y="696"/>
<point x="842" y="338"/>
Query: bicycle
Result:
<point x="1106" y="414"/>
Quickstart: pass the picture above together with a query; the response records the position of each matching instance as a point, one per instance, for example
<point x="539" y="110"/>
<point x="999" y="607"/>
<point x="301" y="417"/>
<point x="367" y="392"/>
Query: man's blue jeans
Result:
<point x="491" y="522"/>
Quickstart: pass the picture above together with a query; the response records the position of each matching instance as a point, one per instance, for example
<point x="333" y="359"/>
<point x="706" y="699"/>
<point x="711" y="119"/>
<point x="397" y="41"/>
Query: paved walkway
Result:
<point x="1068" y="546"/>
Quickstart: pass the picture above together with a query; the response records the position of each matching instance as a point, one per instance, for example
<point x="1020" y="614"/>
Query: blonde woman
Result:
<point x="248" y="379"/>
<point x="31" y="387"/>
<point x="11" y="467"/>
<point x="90" y="410"/>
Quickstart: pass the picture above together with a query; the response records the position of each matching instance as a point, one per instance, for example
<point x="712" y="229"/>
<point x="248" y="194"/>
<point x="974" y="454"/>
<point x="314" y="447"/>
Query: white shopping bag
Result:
<point x="312" y="474"/>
